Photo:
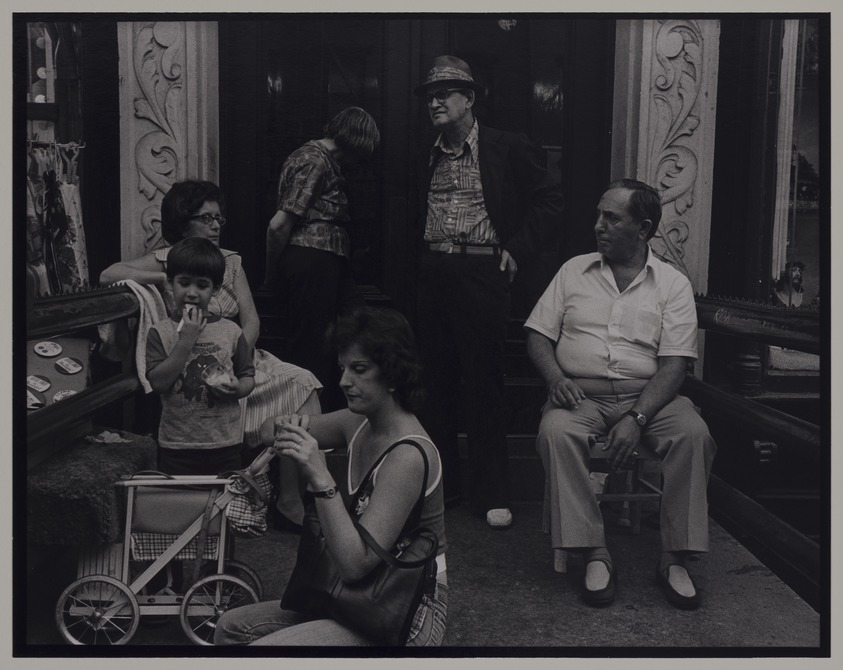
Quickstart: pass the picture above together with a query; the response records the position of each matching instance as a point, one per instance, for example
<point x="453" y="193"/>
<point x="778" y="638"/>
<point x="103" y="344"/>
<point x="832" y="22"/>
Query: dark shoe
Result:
<point x="606" y="595"/>
<point x="673" y="596"/>
<point x="283" y="523"/>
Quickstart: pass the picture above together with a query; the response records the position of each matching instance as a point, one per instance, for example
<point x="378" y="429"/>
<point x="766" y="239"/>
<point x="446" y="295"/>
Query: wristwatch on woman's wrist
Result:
<point x="329" y="492"/>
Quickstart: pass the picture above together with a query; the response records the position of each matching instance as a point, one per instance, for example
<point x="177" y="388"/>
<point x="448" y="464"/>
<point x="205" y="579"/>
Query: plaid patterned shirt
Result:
<point x="455" y="207"/>
<point x="311" y="186"/>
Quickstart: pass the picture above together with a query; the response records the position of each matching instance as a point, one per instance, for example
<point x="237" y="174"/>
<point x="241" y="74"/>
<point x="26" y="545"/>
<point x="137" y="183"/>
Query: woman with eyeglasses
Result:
<point x="195" y="209"/>
<point x="308" y="246"/>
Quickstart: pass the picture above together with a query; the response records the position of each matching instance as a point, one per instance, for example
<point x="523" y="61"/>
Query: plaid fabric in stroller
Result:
<point x="161" y="514"/>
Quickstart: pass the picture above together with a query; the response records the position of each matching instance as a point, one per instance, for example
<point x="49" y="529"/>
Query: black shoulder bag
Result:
<point x="382" y="605"/>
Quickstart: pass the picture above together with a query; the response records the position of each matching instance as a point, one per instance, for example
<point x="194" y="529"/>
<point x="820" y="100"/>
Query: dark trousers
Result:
<point x="314" y="288"/>
<point x="200" y="461"/>
<point x="463" y="310"/>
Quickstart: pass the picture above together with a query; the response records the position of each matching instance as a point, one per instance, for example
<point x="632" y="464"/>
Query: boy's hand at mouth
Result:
<point x="192" y="321"/>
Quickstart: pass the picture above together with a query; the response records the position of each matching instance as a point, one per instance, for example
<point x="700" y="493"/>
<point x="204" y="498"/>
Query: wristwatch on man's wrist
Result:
<point x="640" y="419"/>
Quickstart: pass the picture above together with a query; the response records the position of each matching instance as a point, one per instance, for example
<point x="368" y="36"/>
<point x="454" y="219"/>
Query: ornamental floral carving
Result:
<point x="158" y="61"/>
<point x="676" y="82"/>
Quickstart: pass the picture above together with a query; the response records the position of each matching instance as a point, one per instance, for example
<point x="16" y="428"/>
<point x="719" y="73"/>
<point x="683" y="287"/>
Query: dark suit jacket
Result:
<point x="523" y="202"/>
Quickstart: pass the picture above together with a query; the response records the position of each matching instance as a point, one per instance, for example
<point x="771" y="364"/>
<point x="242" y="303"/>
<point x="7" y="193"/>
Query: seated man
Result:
<point x="611" y="337"/>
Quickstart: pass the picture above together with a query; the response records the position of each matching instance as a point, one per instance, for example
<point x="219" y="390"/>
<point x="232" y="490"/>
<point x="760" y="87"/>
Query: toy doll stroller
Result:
<point x="170" y="521"/>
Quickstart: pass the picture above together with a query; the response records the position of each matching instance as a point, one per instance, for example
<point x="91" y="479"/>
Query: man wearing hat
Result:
<point x="486" y="207"/>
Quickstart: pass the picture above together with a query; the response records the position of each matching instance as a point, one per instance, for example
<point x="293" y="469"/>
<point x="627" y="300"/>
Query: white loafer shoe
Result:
<point x="500" y="518"/>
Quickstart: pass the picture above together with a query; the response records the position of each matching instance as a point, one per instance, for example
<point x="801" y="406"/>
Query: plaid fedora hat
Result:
<point x="449" y="70"/>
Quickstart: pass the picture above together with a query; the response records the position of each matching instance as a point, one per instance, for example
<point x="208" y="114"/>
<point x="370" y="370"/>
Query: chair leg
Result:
<point x="546" y="507"/>
<point x="636" y="487"/>
<point x="624" y="520"/>
<point x="636" y="517"/>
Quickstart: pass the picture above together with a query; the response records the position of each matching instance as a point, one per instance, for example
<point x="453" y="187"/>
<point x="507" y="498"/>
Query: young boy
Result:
<point x="200" y="430"/>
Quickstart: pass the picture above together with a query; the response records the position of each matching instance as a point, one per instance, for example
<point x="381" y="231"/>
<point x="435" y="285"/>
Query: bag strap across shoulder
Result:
<point x="415" y="514"/>
<point x="389" y="558"/>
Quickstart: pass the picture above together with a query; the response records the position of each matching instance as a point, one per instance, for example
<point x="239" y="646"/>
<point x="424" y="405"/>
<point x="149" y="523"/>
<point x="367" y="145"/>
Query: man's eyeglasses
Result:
<point x="208" y="219"/>
<point x="441" y="96"/>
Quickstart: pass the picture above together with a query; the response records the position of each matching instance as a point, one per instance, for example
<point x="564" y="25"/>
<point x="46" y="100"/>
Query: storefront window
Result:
<point x="796" y="262"/>
<point x="40" y="59"/>
<point x="41" y="79"/>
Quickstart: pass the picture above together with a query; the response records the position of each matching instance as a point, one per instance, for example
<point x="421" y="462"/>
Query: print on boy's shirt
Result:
<point x="192" y="386"/>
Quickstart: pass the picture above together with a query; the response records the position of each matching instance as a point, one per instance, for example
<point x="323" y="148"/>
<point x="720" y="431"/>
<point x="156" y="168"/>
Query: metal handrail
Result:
<point x="787" y="430"/>
<point x="791" y="328"/>
<point x="52" y="316"/>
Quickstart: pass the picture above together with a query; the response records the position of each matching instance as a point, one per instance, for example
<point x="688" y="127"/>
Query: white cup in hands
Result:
<point x="290" y="436"/>
<point x="215" y="375"/>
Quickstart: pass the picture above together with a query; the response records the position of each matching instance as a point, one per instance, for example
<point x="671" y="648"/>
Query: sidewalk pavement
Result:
<point x="505" y="597"/>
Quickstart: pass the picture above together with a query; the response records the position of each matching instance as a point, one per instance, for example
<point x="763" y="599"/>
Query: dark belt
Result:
<point x="464" y="249"/>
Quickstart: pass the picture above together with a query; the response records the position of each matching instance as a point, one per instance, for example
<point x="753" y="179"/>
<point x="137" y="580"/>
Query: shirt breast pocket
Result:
<point x="648" y="326"/>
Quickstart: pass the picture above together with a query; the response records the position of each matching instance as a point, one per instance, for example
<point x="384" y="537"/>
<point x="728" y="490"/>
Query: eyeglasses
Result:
<point x="208" y="219"/>
<point x="441" y="96"/>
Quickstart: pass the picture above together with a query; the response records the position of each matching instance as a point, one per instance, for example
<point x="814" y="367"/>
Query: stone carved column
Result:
<point x="169" y="127"/>
<point x="664" y="129"/>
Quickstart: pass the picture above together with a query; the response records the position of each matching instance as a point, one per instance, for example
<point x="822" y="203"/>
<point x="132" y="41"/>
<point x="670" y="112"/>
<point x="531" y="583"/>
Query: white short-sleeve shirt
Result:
<point x="605" y="334"/>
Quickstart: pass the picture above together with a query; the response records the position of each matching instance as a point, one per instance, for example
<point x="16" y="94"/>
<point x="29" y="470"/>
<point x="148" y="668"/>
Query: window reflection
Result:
<point x="796" y="262"/>
<point x="798" y="281"/>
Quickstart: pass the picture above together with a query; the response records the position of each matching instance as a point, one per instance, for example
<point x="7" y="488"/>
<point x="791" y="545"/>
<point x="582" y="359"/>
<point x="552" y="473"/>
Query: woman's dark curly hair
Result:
<point x="385" y="336"/>
<point x="182" y="201"/>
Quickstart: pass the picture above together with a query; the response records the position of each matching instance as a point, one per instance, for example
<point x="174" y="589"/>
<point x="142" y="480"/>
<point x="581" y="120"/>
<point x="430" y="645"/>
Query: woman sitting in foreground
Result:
<point x="195" y="209"/>
<point x="381" y="381"/>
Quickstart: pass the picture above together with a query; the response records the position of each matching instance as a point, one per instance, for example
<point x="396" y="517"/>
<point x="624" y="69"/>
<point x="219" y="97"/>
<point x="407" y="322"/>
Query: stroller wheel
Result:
<point x="239" y="569"/>
<point x="207" y="600"/>
<point x="97" y="609"/>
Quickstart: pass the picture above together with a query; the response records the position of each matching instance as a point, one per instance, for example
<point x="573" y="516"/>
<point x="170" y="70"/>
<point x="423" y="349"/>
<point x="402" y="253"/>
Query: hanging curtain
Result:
<point x="35" y="243"/>
<point x="56" y="247"/>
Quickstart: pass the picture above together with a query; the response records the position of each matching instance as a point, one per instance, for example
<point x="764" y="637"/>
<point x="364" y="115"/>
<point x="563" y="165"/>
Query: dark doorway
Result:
<point x="282" y="79"/>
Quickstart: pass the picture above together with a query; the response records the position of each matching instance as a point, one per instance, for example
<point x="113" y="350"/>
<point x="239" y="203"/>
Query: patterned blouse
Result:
<point x="311" y="186"/>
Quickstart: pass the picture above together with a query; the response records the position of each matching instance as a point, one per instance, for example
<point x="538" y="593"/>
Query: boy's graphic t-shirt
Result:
<point x="192" y="417"/>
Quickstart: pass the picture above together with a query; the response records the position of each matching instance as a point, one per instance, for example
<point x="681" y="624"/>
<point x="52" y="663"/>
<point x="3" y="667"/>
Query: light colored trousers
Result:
<point x="677" y="435"/>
